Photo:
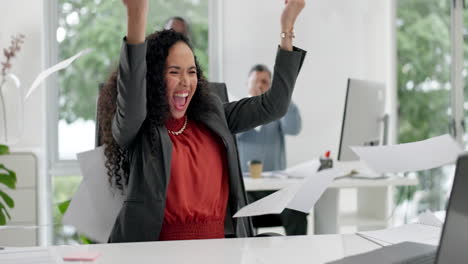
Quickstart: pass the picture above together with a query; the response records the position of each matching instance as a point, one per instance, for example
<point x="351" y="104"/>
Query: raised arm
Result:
<point x="272" y="105"/>
<point x="290" y="13"/>
<point x="131" y="82"/>
<point x="137" y="11"/>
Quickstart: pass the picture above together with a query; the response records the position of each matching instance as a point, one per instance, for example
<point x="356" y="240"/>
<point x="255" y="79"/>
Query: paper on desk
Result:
<point x="422" y="155"/>
<point x="59" y="66"/>
<point x="411" y="232"/>
<point x="94" y="206"/>
<point x="301" y="196"/>
<point x="404" y="252"/>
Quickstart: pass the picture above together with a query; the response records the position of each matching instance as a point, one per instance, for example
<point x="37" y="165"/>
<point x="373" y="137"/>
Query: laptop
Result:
<point x="453" y="244"/>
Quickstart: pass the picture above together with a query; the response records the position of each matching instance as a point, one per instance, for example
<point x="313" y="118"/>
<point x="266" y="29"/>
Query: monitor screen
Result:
<point x="363" y="117"/>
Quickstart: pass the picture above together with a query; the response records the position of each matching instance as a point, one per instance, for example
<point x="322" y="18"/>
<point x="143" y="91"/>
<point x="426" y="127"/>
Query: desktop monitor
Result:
<point x="364" y="119"/>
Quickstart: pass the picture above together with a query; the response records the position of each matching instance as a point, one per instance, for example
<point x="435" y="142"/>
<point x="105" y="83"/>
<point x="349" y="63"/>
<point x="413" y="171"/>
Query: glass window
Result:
<point x="101" y="26"/>
<point x="424" y="90"/>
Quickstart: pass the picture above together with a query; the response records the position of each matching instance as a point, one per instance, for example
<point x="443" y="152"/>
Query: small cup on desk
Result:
<point x="256" y="168"/>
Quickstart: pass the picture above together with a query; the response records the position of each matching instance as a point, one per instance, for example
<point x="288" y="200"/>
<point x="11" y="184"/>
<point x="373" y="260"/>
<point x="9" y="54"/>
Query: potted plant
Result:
<point x="7" y="176"/>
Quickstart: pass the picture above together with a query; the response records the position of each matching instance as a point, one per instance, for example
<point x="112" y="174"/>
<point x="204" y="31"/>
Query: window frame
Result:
<point x="457" y="94"/>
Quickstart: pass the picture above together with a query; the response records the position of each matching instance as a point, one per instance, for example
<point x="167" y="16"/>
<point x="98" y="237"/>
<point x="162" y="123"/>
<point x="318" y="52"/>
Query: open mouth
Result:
<point x="180" y="100"/>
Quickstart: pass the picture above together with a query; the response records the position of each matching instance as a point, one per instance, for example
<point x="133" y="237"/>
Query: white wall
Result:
<point x="346" y="38"/>
<point x="16" y="18"/>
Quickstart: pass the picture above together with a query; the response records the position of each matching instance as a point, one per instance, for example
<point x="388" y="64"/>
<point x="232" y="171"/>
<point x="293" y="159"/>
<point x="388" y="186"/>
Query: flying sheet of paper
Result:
<point x="411" y="232"/>
<point x="59" y="66"/>
<point x="313" y="188"/>
<point x="92" y="166"/>
<point x="301" y="196"/>
<point x="429" y="218"/>
<point x="422" y="155"/>
<point x="83" y="215"/>
<point x="271" y="204"/>
<point x="94" y="206"/>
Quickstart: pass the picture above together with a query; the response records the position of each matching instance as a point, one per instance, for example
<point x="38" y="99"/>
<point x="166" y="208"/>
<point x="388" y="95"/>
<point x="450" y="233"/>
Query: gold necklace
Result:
<point x="176" y="133"/>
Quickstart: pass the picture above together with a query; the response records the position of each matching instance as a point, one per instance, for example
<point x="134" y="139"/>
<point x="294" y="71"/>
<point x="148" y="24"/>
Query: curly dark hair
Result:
<point x="158" y="45"/>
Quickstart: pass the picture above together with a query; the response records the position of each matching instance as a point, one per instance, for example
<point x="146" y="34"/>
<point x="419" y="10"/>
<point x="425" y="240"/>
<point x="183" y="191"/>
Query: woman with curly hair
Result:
<point x="169" y="142"/>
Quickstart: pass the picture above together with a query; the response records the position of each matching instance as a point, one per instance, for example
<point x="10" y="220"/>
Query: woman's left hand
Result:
<point x="290" y="13"/>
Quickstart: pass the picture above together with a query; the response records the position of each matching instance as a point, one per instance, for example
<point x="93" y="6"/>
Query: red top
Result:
<point x="198" y="190"/>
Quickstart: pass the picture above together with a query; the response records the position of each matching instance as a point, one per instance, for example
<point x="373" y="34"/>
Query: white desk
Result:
<point x="374" y="201"/>
<point x="271" y="250"/>
<point x="271" y="183"/>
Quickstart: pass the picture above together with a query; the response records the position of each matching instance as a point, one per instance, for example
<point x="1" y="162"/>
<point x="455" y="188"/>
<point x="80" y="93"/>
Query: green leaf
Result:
<point x="2" y="218"/>
<point x="3" y="212"/>
<point x="8" y="200"/>
<point x="4" y="150"/>
<point x="9" y="178"/>
<point x="63" y="206"/>
<point x="85" y="240"/>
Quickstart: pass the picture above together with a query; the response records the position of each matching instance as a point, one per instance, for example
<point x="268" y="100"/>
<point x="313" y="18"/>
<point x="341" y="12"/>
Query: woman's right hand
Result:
<point x="290" y="13"/>
<point x="135" y="4"/>
<point x="137" y="11"/>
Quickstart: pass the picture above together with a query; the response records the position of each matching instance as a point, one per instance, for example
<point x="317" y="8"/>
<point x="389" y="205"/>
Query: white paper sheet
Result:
<point x="271" y="204"/>
<point x="92" y="166"/>
<point x="429" y="218"/>
<point x="422" y="155"/>
<point x="59" y="66"/>
<point x="94" y="206"/>
<point x="301" y="196"/>
<point x="411" y="232"/>
<point x="83" y="215"/>
<point x="313" y="188"/>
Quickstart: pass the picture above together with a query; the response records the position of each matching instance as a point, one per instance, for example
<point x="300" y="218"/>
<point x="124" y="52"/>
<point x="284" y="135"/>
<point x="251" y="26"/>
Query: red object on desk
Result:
<point x="82" y="256"/>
